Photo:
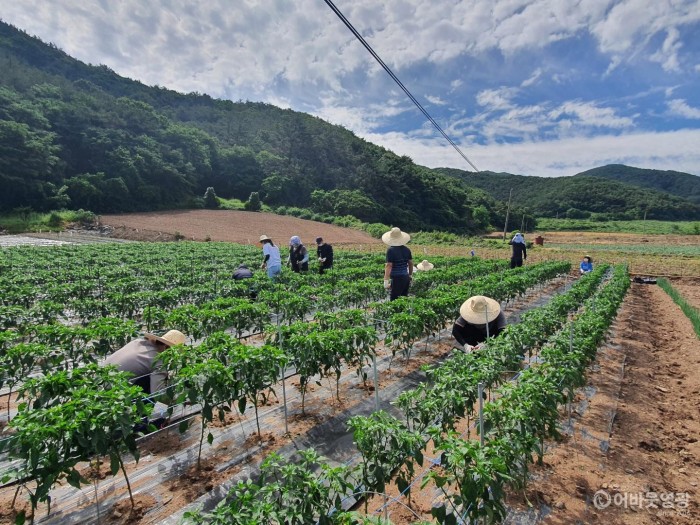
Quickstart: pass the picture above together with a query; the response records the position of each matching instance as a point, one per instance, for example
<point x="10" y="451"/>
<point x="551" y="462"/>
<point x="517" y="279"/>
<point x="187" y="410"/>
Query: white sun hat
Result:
<point x="424" y="265"/>
<point x="171" y="338"/>
<point x="479" y="308"/>
<point x="395" y="237"/>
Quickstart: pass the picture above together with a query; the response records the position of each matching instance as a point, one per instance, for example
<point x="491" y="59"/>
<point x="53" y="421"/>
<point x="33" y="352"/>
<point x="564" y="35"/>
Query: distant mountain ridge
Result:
<point x="582" y="196"/>
<point x="676" y="183"/>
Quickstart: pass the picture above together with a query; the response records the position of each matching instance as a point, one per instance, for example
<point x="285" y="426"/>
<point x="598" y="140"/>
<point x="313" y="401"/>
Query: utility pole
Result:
<point x="505" y="227"/>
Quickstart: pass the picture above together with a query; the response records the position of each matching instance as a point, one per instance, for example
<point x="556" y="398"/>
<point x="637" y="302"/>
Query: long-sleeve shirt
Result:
<point x="473" y="334"/>
<point x="519" y="250"/>
<point x="139" y="357"/>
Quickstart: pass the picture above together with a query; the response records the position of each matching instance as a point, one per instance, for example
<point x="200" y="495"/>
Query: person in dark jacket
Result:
<point x="298" y="255"/>
<point x="479" y="317"/>
<point x="324" y="251"/>
<point x="398" y="269"/>
<point x="242" y="272"/>
<point x="519" y="250"/>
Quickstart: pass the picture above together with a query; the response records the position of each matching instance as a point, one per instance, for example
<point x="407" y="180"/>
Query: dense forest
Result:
<point x="582" y="196"/>
<point x="79" y="136"/>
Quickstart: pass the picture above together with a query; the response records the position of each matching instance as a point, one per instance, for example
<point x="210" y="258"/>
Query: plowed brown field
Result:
<point x="243" y="227"/>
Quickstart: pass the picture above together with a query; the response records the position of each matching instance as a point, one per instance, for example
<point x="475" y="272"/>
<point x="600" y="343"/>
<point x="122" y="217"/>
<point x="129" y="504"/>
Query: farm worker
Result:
<point x="519" y="250"/>
<point x="271" y="257"/>
<point x="298" y="255"/>
<point x="324" y="252"/>
<point x="477" y="315"/>
<point x="242" y="272"/>
<point x="398" y="269"/>
<point x="424" y="266"/>
<point x="586" y="265"/>
<point x="140" y="357"/>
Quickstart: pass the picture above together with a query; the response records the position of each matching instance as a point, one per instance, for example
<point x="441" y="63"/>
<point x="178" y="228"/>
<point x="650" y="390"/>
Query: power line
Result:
<point x="396" y="79"/>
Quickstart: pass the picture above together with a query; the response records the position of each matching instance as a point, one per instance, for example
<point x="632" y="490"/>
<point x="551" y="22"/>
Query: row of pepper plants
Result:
<point x="383" y="440"/>
<point x="473" y="477"/>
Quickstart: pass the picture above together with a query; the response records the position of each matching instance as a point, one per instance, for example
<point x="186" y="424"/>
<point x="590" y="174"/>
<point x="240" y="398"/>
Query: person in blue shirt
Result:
<point x="398" y="269"/>
<point x="272" y="262"/>
<point x="586" y="265"/>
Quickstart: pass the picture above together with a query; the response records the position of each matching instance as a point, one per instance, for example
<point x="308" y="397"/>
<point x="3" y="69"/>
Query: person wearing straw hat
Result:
<point x="140" y="358"/>
<point x="424" y="266"/>
<point x="272" y="261"/>
<point x="519" y="250"/>
<point x="398" y="269"/>
<point x="479" y="317"/>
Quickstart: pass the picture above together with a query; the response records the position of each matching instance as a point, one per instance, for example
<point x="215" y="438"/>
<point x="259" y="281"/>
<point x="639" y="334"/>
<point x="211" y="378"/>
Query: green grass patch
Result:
<point x="648" y="227"/>
<point x="20" y="221"/>
<point x="689" y="310"/>
<point x="644" y="249"/>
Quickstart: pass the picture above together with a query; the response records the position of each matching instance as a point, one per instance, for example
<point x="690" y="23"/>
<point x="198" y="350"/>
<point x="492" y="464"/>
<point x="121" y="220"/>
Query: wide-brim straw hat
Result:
<point x="170" y="338"/>
<point x="264" y="238"/>
<point x="479" y="308"/>
<point x="395" y="237"/>
<point x="424" y="265"/>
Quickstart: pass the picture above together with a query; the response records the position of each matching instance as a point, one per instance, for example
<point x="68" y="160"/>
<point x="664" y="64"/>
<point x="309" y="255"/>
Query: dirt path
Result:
<point x="634" y="457"/>
<point x="230" y="226"/>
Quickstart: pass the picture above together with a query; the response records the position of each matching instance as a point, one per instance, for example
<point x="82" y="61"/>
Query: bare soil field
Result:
<point x="633" y="456"/>
<point x="615" y="238"/>
<point x="242" y="227"/>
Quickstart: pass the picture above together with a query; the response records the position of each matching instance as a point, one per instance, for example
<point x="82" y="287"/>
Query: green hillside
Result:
<point x="80" y="136"/>
<point x="676" y="183"/>
<point x="580" y="196"/>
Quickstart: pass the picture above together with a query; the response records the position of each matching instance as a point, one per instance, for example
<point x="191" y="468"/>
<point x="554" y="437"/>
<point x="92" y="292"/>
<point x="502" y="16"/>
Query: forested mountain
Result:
<point x="80" y="136"/>
<point x="676" y="183"/>
<point x="580" y="196"/>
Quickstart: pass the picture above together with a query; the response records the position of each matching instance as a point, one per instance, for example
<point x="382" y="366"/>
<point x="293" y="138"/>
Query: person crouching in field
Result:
<point x="399" y="263"/>
<point x="480" y="317"/>
<point x="140" y="358"/>
<point x="586" y="265"/>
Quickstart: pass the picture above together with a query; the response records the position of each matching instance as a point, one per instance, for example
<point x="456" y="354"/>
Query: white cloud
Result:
<point x="536" y="74"/>
<point x="681" y="108"/>
<point x="437" y="101"/>
<point x="676" y="150"/>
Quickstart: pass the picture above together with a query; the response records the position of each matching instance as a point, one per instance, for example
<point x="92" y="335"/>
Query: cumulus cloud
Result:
<point x="680" y="108"/>
<point x="514" y="69"/>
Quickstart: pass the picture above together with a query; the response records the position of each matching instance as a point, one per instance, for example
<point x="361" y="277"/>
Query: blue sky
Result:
<point x="533" y="87"/>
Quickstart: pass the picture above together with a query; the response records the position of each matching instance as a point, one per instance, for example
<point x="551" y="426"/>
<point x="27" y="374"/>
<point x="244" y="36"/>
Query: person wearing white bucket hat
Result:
<point x="424" y="266"/>
<point x="399" y="263"/>
<point x="140" y="358"/>
<point x="479" y="317"/>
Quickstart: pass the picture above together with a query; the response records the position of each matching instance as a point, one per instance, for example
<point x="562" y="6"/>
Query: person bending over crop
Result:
<point x="586" y="265"/>
<point x="140" y="357"/>
<point x="479" y="317"/>
<point x="298" y="255"/>
<point x="272" y="261"/>
<point x="398" y="269"/>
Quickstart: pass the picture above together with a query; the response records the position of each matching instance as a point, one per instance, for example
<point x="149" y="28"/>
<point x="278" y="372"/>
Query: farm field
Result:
<point x="186" y="286"/>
